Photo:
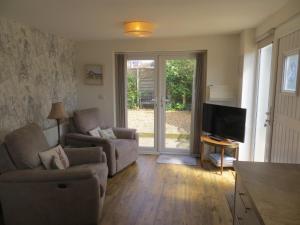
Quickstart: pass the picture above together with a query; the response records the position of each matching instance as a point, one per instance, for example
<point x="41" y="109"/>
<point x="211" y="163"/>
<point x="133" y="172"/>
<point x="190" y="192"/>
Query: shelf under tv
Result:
<point x="215" y="158"/>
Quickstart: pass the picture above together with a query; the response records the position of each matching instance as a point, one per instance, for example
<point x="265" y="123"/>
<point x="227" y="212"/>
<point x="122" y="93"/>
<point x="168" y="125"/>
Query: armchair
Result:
<point x="120" y="152"/>
<point x="31" y="195"/>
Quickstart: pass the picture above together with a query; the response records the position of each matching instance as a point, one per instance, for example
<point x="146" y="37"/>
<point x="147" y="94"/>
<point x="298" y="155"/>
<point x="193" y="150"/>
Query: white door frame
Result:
<point x="270" y="101"/>
<point x="159" y="105"/>
<point x="272" y="95"/>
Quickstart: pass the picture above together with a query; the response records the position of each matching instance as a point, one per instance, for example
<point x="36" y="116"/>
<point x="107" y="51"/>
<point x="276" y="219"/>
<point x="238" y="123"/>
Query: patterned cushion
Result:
<point x="56" y="163"/>
<point x="55" y="158"/>
<point x="107" y="134"/>
<point x="95" y="132"/>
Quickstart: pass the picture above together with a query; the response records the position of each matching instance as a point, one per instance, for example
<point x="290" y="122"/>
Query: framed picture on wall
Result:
<point x="290" y="74"/>
<point x="93" y="74"/>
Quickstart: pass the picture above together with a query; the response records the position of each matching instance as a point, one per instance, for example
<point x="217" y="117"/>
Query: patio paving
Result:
<point x="177" y="127"/>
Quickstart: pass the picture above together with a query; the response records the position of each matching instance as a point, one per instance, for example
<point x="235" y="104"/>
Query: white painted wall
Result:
<point x="282" y="16"/>
<point x="223" y="56"/>
<point x="248" y="53"/>
<point x="52" y="134"/>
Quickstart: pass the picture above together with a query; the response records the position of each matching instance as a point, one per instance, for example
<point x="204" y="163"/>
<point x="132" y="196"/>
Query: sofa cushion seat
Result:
<point x="126" y="152"/>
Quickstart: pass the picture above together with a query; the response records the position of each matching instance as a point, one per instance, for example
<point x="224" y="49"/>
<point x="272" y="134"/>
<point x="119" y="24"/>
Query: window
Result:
<point x="290" y="73"/>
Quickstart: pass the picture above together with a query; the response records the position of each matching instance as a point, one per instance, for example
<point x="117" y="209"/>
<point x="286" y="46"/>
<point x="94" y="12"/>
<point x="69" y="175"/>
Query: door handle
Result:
<point x="154" y="102"/>
<point x="163" y="100"/>
<point x="267" y="123"/>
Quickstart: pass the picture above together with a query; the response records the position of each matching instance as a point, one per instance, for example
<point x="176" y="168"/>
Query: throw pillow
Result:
<point x="49" y="157"/>
<point x="57" y="163"/>
<point x="107" y="134"/>
<point x="95" y="132"/>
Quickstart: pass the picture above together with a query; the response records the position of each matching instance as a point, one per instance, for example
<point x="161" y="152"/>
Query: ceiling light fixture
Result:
<point x="138" y="28"/>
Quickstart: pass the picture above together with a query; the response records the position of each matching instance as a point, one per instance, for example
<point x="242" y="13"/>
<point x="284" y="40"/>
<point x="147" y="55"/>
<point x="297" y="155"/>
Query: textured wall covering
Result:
<point x="36" y="69"/>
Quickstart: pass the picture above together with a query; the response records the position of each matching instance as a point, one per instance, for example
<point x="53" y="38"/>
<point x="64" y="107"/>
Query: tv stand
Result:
<point x="216" y="138"/>
<point x="222" y="144"/>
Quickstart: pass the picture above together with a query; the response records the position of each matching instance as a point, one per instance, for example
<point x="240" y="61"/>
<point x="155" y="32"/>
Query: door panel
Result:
<point x="141" y="99"/>
<point x="176" y="75"/>
<point x="286" y="127"/>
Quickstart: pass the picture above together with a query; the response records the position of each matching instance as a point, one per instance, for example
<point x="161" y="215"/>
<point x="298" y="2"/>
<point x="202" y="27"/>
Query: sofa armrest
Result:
<point x="80" y="140"/>
<point x="31" y="175"/>
<point x="124" y="133"/>
<point x="79" y="156"/>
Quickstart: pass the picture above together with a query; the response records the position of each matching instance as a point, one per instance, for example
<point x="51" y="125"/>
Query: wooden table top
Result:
<point x="226" y="143"/>
<point x="274" y="189"/>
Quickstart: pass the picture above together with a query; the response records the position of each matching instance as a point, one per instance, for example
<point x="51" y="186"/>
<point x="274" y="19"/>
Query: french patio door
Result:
<point x="159" y="101"/>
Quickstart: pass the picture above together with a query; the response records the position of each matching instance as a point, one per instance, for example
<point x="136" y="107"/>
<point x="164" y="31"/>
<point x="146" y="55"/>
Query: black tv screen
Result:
<point x="224" y="121"/>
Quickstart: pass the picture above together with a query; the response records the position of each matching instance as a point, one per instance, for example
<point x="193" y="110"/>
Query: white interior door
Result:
<point x="286" y="125"/>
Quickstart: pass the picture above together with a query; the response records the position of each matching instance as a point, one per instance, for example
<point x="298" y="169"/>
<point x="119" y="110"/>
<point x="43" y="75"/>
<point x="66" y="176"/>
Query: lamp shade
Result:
<point x="57" y="111"/>
<point x="138" y="28"/>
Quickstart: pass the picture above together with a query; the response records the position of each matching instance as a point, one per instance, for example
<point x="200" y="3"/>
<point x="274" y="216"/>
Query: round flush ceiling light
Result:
<point x="138" y="28"/>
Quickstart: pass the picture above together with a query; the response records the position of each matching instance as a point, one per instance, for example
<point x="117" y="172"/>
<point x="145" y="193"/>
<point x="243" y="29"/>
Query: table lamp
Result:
<point x="58" y="113"/>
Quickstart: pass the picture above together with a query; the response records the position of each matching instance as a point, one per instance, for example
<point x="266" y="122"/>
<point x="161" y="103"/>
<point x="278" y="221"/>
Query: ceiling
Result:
<point x="103" y="19"/>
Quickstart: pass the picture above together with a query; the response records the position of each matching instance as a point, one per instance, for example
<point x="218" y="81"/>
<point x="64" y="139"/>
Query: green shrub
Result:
<point x="132" y="94"/>
<point x="179" y="84"/>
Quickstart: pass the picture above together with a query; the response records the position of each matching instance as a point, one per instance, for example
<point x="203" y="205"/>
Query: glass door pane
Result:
<point x="177" y="103"/>
<point x="141" y="99"/>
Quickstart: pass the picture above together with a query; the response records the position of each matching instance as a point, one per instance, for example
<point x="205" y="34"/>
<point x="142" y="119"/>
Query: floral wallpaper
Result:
<point x="36" y="69"/>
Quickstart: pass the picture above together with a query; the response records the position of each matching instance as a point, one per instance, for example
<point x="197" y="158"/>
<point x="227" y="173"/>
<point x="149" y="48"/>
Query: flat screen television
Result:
<point x="224" y="122"/>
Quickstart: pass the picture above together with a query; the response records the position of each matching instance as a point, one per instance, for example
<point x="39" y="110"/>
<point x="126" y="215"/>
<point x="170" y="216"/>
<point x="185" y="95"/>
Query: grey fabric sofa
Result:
<point x="120" y="152"/>
<point x="32" y="195"/>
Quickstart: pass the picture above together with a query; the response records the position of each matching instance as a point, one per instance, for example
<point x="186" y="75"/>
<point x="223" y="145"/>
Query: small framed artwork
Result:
<point x="93" y="74"/>
<point x="290" y="73"/>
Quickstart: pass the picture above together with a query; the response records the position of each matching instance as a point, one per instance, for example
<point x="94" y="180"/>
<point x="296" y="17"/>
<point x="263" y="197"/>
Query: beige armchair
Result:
<point x="120" y="152"/>
<point x="32" y="195"/>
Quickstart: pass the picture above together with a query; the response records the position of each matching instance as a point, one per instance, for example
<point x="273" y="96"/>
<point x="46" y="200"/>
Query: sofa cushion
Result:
<point x="87" y="119"/>
<point x="54" y="158"/>
<point x="126" y="151"/>
<point x="24" y="144"/>
<point x="95" y="132"/>
<point x="107" y="133"/>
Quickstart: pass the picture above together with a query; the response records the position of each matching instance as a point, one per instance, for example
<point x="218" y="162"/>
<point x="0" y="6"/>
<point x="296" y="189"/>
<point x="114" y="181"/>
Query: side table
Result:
<point x="223" y="144"/>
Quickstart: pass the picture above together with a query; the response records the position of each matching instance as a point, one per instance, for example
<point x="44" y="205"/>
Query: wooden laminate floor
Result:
<point x="147" y="193"/>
